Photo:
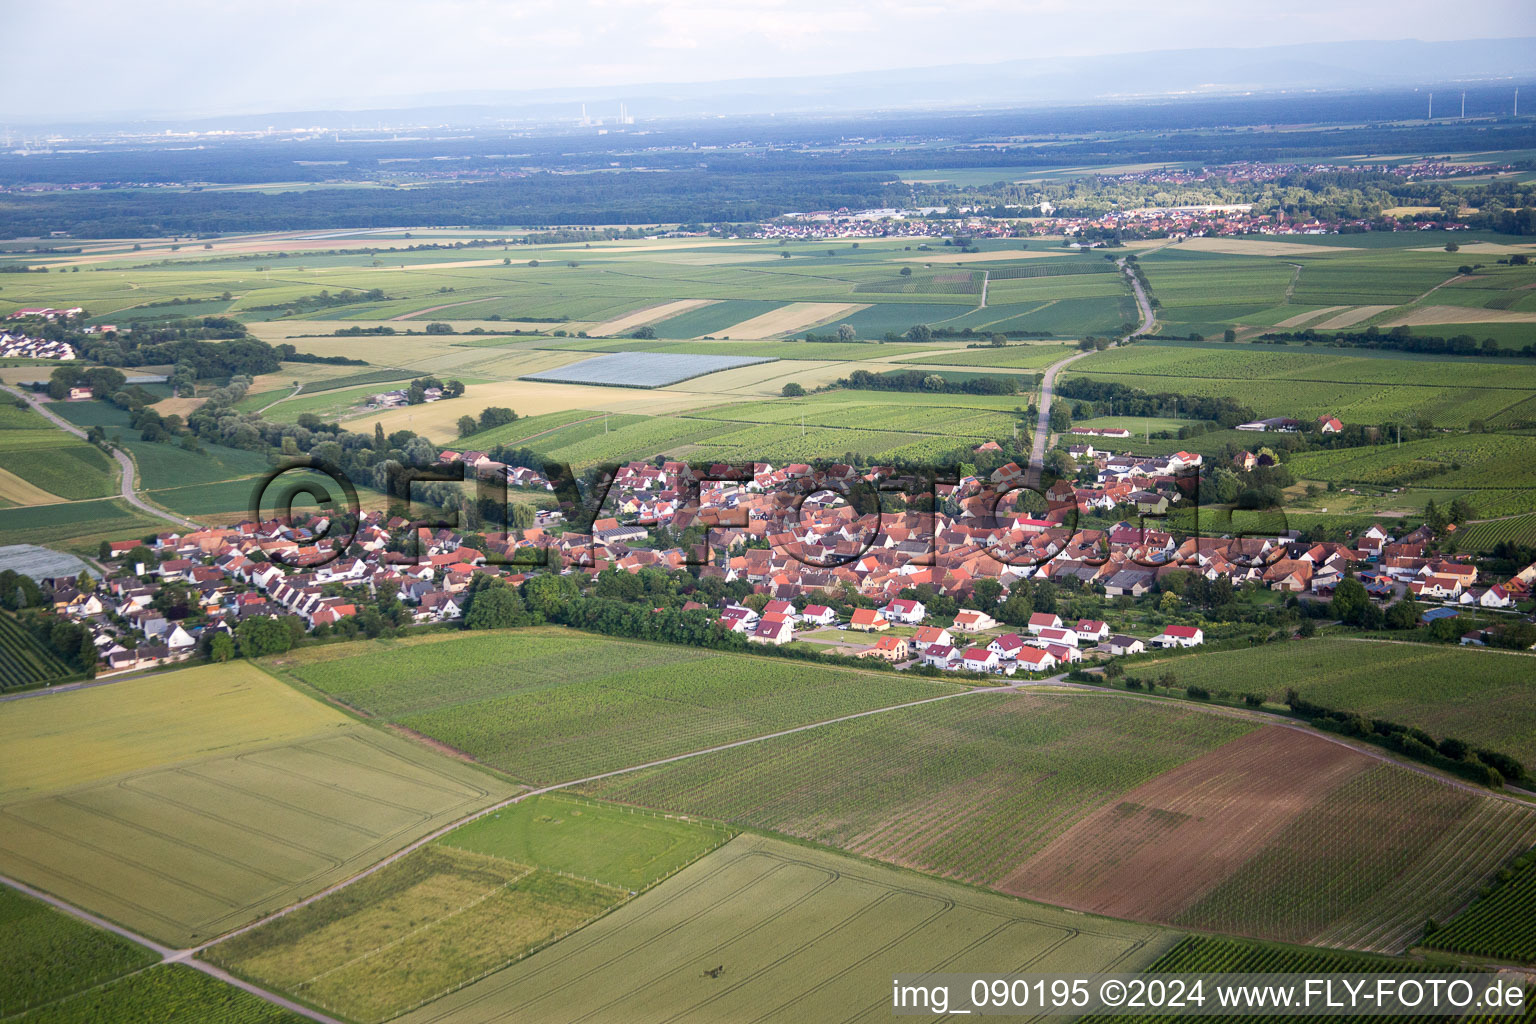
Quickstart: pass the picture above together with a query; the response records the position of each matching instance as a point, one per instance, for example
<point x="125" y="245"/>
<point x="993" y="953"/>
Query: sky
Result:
<point x="196" y="57"/>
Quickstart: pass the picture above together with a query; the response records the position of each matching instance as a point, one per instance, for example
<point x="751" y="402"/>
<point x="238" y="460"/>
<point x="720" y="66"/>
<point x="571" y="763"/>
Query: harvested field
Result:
<point x="1155" y="851"/>
<point x="786" y="319"/>
<point x="1350" y="317"/>
<point x="647" y="315"/>
<point x="1460" y="315"/>
<point x="1301" y="318"/>
<point x="23" y="492"/>
<point x="1258" y="247"/>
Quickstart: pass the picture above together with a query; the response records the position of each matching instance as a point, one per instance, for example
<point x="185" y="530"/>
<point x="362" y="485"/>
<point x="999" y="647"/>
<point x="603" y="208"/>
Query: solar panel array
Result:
<point x="642" y="369"/>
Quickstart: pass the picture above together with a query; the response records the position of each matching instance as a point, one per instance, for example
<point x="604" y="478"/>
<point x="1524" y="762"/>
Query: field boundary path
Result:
<point x="986" y="278"/>
<point x="446" y="305"/>
<point x="125" y="462"/>
<point x="1043" y="419"/>
<point x="278" y="401"/>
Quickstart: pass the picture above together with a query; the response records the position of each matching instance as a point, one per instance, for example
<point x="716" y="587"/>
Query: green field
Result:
<point x="1519" y="530"/>
<point x="165" y="994"/>
<point x="194" y="801"/>
<point x="484" y="896"/>
<point x="802" y="934"/>
<point x="1024" y="357"/>
<point x="1203" y="953"/>
<point x="1304" y="383"/>
<point x="42" y="455"/>
<point x="24" y="661"/>
<point x="1462" y="461"/>
<point x="46" y="955"/>
<point x="549" y="706"/>
<point x="1485" y="697"/>
<point x="1497" y="926"/>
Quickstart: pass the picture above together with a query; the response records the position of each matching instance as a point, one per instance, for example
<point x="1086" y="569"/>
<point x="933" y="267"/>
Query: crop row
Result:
<point x="1499" y="925"/>
<point x="22" y="660"/>
<point x="168" y="994"/>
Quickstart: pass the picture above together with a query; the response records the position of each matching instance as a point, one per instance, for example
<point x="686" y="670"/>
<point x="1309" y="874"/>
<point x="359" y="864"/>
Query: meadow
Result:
<point x="486" y="895"/>
<point x="549" y="705"/>
<point x="1480" y="696"/>
<point x="195" y="801"/>
<point x="802" y="934"/>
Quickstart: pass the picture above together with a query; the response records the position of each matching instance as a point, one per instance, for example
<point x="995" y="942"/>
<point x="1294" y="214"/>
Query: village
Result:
<point x="792" y="562"/>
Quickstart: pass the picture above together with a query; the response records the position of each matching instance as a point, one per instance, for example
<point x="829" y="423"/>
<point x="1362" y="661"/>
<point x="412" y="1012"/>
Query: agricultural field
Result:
<point x="1025" y="357"/>
<point x="802" y="934"/>
<point x="549" y="705"/>
<point x="46" y="955"/>
<point x="1306" y="384"/>
<point x="24" y="661"/>
<point x="641" y="369"/>
<point x="1481" y="696"/>
<point x="1518" y="530"/>
<point x="166" y="994"/>
<point x="1184" y="807"/>
<point x="41" y="465"/>
<point x="486" y="895"/>
<point x="1208" y="954"/>
<point x="1461" y="462"/>
<point x="1497" y="925"/>
<point x="195" y="801"/>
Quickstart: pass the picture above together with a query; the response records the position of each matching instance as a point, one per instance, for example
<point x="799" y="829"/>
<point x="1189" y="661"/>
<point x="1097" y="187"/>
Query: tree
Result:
<point x="845" y="332"/>
<point x="906" y="271"/>
<point x="645" y="333"/>
<point x="494" y="607"/>
<point x="792" y="390"/>
<point x="1349" y="601"/>
<point x="1452" y="247"/>
<point x="986" y="591"/>
<point x="1402" y="615"/>
<point x="1060" y="419"/>
<point x="1229" y="335"/>
<point x="467" y="425"/>
<point x="262" y="635"/>
<point x="920" y="332"/>
<point x="221" y="647"/>
<point x="496" y="416"/>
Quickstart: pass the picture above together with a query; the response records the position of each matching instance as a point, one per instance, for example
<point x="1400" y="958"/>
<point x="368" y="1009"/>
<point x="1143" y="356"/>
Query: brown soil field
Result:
<point x="1156" y="851"/>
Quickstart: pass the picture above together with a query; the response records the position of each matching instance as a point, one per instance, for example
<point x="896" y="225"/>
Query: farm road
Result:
<point x="1043" y="420"/>
<point x="124" y="461"/>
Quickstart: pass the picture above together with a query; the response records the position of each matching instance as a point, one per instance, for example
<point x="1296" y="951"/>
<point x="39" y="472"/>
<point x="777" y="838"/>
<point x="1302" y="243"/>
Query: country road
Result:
<point x="1043" y="420"/>
<point x="124" y="462"/>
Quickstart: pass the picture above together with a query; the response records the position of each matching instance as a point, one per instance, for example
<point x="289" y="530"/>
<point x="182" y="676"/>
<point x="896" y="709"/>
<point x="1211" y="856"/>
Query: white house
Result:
<point x="928" y="636"/>
<point x="968" y="620"/>
<point x="772" y="631"/>
<point x="939" y="655"/>
<point x="1496" y="597"/>
<point x="978" y="659"/>
<point x="1007" y="646"/>
<point x="818" y="615"/>
<point x="1121" y="645"/>
<point x="905" y="611"/>
<point x="1064" y="637"/>
<point x="1043" y="620"/>
<point x="1091" y="631"/>
<point x="1179" y="636"/>
<point x="1034" y="659"/>
<point x="1064" y="655"/>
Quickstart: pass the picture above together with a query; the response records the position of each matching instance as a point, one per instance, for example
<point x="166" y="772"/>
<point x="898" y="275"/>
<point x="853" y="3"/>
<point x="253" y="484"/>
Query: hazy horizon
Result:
<point x="247" y="58"/>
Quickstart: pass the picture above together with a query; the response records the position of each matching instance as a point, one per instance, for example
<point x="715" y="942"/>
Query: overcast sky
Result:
<point x="192" y="57"/>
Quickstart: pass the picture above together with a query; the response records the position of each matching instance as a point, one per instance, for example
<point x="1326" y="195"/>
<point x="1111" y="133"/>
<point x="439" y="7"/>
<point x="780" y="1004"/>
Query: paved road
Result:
<point x="1043" y="420"/>
<point x="124" y="462"/>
